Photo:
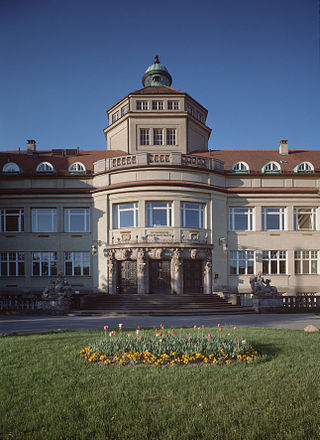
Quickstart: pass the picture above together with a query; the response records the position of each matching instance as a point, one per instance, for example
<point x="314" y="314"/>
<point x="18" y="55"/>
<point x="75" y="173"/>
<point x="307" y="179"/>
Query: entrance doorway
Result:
<point x="160" y="279"/>
<point x="192" y="276"/>
<point x="127" y="277"/>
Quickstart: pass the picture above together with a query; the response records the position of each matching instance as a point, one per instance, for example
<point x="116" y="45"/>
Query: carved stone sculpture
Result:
<point x="261" y="287"/>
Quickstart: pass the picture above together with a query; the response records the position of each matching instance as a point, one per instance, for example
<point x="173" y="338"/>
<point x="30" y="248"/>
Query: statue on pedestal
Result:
<point x="261" y="287"/>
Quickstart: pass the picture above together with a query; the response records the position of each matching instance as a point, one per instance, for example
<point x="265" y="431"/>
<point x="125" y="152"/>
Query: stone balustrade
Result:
<point x="150" y="159"/>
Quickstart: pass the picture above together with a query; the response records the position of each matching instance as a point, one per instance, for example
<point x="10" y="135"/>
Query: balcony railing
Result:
<point x="150" y="159"/>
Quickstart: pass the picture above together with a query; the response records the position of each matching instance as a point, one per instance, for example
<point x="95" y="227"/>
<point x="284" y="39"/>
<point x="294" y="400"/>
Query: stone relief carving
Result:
<point x="207" y="267"/>
<point x="193" y="253"/>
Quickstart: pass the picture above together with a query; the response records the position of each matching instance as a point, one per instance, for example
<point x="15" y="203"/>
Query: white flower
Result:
<point x="137" y="331"/>
<point x="110" y="334"/>
<point x="120" y="326"/>
<point x="243" y="341"/>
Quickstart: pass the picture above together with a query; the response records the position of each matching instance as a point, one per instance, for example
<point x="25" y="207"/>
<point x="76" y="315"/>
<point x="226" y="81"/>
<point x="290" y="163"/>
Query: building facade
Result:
<point x="158" y="211"/>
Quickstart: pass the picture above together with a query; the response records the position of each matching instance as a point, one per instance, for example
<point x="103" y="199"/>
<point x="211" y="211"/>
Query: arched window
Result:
<point x="11" y="168"/>
<point x="304" y="167"/>
<point x="45" y="167"/>
<point x="77" y="167"/>
<point x="240" y="167"/>
<point x="271" y="167"/>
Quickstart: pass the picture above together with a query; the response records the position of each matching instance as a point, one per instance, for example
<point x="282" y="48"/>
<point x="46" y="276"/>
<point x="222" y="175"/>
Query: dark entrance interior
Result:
<point x="160" y="279"/>
<point x="127" y="277"/>
<point x="192" y="276"/>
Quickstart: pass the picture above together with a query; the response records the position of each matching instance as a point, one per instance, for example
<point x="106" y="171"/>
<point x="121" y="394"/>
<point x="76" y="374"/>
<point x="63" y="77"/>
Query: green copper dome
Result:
<point x="156" y="75"/>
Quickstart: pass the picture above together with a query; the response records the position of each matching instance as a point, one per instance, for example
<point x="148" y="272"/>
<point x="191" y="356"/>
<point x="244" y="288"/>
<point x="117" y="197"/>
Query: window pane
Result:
<point x="126" y="219"/>
<point x="265" y="267"/>
<point x="273" y="222"/>
<point x="12" y="223"/>
<point x="68" y="267"/>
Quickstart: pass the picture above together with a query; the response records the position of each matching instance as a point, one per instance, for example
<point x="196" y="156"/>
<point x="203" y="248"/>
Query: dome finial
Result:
<point x="156" y="60"/>
<point x="156" y="75"/>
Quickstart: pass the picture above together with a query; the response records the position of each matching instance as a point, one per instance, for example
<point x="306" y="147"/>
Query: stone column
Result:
<point x="207" y="276"/>
<point x="112" y="273"/>
<point x="142" y="278"/>
<point x="176" y="273"/>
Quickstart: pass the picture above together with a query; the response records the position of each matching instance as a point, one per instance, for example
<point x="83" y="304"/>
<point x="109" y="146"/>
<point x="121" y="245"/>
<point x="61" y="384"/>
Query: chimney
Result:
<point x="31" y="147"/>
<point x="283" y="147"/>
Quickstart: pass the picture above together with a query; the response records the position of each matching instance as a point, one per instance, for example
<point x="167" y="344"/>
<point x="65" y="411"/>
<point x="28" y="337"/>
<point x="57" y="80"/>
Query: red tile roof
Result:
<point x="157" y="90"/>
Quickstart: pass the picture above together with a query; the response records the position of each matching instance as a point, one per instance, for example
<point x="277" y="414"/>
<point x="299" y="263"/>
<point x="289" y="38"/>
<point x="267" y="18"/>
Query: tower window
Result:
<point x="157" y="105"/>
<point x="115" y="117"/>
<point x="142" y="105"/>
<point x="144" y="136"/>
<point x="125" y="110"/>
<point x="173" y="105"/>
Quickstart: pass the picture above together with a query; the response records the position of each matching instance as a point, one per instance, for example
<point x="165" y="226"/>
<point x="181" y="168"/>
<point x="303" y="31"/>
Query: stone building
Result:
<point x="157" y="211"/>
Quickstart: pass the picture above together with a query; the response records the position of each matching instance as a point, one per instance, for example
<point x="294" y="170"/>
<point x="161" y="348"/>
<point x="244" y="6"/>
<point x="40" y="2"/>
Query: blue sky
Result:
<point x="253" y="64"/>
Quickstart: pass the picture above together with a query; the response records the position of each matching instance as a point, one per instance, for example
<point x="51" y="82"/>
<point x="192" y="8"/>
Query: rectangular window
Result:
<point x="77" y="220"/>
<point x="126" y="215"/>
<point x="12" y="264"/>
<point x="44" y="220"/>
<point x="273" y="219"/>
<point x="192" y="215"/>
<point x="157" y="136"/>
<point x="171" y="136"/>
<point x="274" y="262"/>
<point x="125" y="110"/>
<point x="173" y="105"/>
<point x="144" y="136"/>
<point x="305" y="219"/>
<point x="142" y="105"/>
<point x="12" y="220"/>
<point x="306" y="262"/>
<point x="77" y="264"/>
<point x="157" y="105"/>
<point x="44" y="264"/>
<point x="241" y="262"/>
<point x="115" y="117"/>
<point x="241" y="219"/>
<point x="159" y="213"/>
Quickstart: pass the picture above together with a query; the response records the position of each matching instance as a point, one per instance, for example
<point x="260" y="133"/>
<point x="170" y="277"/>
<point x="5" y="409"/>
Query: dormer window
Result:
<point x="45" y="167"/>
<point x="11" y="168"/>
<point x="271" y="167"/>
<point x="240" y="167"/>
<point x="304" y="167"/>
<point x="77" y="167"/>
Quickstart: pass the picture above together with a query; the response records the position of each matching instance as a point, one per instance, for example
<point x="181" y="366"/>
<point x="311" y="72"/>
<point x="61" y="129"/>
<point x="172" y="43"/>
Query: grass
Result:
<point x="49" y="392"/>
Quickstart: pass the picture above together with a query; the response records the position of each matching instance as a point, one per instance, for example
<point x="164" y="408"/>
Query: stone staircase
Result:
<point x="157" y="305"/>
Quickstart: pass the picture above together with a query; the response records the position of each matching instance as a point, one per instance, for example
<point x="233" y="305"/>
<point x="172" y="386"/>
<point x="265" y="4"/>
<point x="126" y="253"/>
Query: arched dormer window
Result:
<point x="304" y="167"/>
<point x="240" y="167"/>
<point x="77" y="167"/>
<point x="271" y="167"/>
<point x="11" y="168"/>
<point x="45" y="167"/>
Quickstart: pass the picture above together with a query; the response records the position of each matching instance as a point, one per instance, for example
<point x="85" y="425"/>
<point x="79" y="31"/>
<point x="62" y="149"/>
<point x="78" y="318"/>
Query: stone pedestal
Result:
<point x="267" y="304"/>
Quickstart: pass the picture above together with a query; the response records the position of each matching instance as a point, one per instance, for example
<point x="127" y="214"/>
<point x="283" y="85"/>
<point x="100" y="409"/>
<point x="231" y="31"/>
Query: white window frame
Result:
<point x="275" y="258"/>
<point x="248" y="212"/>
<point x="125" y="207"/>
<point x="304" y="167"/>
<point x="144" y="136"/>
<point x="11" y="260"/>
<point x="306" y="259"/>
<point x="242" y="260"/>
<point x="157" y="140"/>
<point x="195" y="207"/>
<point x="151" y="208"/>
<point x="311" y="211"/>
<point x="11" y="168"/>
<point x="72" y="257"/>
<point x="38" y="212"/>
<point x="124" y="109"/>
<point x="173" y="105"/>
<point x="240" y="167"/>
<point x="115" y="117"/>
<point x="142" y="105"/>
<point x="44" y="258"/>
<point x="157" y="105"/>
<point x="266" y="212"/>
<point x="78" y="212"/>
<point x="12" y="212"/>
<point x="45" y="167"/>
<point x="171" y="136"/>
<point x="77" y="168"/>
<point x="271" y="167"/>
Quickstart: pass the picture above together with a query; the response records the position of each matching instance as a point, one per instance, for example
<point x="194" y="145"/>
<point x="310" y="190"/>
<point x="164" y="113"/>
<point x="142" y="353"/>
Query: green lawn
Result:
<point x="49" y="392"/>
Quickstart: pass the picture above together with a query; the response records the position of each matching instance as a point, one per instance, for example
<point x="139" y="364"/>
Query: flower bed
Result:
<point x="166" y="347"/>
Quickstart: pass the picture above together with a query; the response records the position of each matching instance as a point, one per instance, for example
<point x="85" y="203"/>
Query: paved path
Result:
<point x="39" y="324"/>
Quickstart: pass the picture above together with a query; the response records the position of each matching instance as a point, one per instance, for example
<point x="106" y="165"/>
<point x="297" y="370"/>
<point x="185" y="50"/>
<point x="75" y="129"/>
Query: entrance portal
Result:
<point x="192" y="276"/>
<point x="127" y="276"/>
<point x="160" y="279"/>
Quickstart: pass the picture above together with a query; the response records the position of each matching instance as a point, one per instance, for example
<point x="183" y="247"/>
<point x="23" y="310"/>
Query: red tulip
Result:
<point x="220" y="329"/>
